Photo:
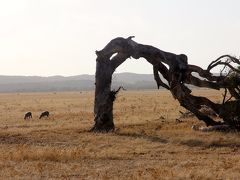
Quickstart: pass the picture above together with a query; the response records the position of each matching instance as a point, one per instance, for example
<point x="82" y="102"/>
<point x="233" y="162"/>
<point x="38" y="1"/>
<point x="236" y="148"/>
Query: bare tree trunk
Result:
<point x="103" y="105"/>
<point x="104" y="96"/>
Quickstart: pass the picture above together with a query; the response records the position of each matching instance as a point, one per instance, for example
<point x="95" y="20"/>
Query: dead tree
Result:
<point x="176" y="71"/>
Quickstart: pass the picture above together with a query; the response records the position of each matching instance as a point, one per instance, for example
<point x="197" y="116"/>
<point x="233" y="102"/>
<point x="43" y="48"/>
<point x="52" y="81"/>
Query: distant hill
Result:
<point x="73" y="83"/>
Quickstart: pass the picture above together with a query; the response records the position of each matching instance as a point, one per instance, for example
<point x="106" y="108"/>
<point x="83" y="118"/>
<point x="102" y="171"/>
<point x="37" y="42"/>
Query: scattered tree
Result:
<point x="177" y="72"/>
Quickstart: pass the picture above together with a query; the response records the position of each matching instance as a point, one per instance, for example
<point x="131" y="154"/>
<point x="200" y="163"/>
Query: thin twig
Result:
<point x="224" y="95"/>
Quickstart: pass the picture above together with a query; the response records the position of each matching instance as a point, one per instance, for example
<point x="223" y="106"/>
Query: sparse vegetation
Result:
<point x="145" y="145"/>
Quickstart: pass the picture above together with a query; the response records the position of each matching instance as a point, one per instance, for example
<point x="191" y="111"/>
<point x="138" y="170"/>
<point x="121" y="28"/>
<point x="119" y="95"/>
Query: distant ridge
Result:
<point x="83" y="82"/>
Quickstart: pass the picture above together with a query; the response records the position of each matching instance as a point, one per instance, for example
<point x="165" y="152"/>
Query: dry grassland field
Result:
<point x="148" y="142"/>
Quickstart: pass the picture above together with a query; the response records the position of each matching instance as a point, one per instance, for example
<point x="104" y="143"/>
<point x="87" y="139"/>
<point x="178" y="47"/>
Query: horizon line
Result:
<point x="46" y="76"/>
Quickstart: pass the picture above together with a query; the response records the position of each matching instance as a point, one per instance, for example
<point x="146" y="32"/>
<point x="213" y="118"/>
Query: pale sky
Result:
<point x="59" y="37"/>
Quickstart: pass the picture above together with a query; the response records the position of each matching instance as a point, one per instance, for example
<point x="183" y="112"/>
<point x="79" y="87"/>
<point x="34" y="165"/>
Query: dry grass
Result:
<point x="148" y="143"/>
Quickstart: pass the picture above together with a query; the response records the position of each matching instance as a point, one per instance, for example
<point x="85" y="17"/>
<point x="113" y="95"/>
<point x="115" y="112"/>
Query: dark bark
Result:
<point x="103" y="104"/>
<point x="177" y="74"/>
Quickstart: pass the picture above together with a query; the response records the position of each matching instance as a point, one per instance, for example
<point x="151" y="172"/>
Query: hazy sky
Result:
<point x="59" y="37"/>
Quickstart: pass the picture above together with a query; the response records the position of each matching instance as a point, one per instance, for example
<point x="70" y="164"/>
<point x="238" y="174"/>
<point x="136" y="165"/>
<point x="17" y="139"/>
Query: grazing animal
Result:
<point x="28" y="115"/>
<point x="44" y="114"/>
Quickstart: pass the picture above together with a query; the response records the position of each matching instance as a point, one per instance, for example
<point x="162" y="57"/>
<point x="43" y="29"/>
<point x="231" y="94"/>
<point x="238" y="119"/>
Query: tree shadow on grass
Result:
<point x="190" y="142"/>
<point x="210" y="144"/>
<point x="142" y="136"/>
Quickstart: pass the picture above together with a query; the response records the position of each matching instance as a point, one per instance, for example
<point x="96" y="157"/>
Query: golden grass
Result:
<point x="147" y="143"/>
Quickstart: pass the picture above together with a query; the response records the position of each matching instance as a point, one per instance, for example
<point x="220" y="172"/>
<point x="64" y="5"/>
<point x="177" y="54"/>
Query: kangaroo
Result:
<point x="28" y="115"/>
<point x="44" y="114"/>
